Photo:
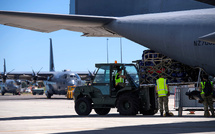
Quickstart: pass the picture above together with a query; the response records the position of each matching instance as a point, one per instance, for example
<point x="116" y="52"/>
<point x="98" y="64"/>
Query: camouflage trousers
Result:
<point x="208" y="102"/>
<point x="163" y="101"/>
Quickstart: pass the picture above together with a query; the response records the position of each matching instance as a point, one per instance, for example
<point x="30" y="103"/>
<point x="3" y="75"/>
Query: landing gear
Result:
<point x="48" y="95"/>
<point x="2" y="93"/>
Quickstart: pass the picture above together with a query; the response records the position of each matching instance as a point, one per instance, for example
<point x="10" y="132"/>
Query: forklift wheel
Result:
<point x="128" y="104"/>
<point x="83" y="106"/>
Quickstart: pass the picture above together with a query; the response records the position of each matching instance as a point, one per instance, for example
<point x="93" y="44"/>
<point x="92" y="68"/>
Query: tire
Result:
<point x="34" y="93"/>
<point x="83" y="106"/>
<point x="102" y="111"/>
<point x="2" y="93"/>
<point x="48" y="96"/>
<point x="17" y="93"/>
<point x="128" y="104"/>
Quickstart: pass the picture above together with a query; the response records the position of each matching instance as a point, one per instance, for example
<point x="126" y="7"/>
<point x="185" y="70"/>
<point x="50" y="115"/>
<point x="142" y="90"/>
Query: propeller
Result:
<point x="27" y="82"/>
<point x="4" y="74"/>
<point x="91" y="75"/>
<point x="35" y="75"/>
<point x="49" y="78"/>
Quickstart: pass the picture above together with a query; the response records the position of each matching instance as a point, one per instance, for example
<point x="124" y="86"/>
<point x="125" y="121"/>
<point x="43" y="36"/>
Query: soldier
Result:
<point x="162" y="90"/>
<point x="206" y="88"/>
<point x="119" y="79"/>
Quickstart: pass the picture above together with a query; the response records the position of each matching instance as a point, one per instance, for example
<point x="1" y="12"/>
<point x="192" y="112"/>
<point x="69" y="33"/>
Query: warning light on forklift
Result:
<point x="115" y="61"/>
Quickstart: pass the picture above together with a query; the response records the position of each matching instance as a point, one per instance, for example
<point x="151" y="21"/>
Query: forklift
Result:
<point x="103" y="94"/>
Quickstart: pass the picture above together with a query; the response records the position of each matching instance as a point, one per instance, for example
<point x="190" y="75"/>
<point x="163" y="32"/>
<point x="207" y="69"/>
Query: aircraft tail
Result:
<point x="51" y="68"/>
<point x="4" y="66"/>
<point x="119" y="8"/>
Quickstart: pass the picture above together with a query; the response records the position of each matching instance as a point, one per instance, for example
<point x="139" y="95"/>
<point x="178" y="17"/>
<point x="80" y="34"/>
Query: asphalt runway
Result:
<point x="28" y="114"/>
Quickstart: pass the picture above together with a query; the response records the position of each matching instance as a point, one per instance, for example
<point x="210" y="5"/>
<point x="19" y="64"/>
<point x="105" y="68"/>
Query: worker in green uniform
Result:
<point x="206" y="89"/>
<point x="162" y="90"/>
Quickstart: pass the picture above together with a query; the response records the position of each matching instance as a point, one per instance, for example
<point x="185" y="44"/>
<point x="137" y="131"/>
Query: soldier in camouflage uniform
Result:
<point x="208" y="100"/>
<point x="162" y="91"/>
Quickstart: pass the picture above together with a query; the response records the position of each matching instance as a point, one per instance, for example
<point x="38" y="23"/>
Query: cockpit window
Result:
<point x="72" y="76"/>
<point x="77" y="76"/>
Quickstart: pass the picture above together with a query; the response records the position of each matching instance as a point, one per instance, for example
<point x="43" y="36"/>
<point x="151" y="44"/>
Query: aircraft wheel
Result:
<point x="128" y="104"/>
<point x="83" y="106"/>
<point x="102" y="111"/>
<point x="2" y="93"/>
<point x="48" y="95"/>
<point x="16" y="93"/>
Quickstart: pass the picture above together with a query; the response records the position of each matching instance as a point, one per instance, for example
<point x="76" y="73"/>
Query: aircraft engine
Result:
<point x="35" y="75"/>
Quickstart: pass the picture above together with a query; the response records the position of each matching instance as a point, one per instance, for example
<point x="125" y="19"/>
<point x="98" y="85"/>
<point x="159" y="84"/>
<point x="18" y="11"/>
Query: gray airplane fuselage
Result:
<point x="174" y="34"/>
<point x="183" y="30"/>
<point x="60" y="81"/>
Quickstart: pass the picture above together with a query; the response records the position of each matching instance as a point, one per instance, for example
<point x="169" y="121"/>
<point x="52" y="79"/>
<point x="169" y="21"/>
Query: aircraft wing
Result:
<point x="89" y="25"/>
<point x="28" y="75"/>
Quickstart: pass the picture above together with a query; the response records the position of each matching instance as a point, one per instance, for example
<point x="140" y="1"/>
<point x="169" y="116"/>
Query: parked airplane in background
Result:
<point x="55" y="82"/>
<point x="183" y="30"/>
<point x="9" y="85"/>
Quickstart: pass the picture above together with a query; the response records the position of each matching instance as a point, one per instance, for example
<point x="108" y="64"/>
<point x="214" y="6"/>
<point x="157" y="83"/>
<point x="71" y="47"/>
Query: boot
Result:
<point x="212" y="114"/>
<point x="161" y="114"/>
<point x="206" y="114"/>
<point x="167" y="114"/>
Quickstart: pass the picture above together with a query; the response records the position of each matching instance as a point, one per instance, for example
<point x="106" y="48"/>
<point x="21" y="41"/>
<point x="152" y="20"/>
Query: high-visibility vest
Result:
<point x="119" y="79"/>
<point x="162" y="87"/>
<point x="203" y="86"/>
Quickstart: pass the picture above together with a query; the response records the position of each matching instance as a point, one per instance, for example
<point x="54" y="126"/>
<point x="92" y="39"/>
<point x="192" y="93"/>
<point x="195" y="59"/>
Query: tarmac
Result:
<point x="28" y="114"/>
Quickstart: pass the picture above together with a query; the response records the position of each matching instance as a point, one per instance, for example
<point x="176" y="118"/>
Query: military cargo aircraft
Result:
<point x="55" y="82"/>
<point x="9" y="85"/>
<point x="180" y="29"/>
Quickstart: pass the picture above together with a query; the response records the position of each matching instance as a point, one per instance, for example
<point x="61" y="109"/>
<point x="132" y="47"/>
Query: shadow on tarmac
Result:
<point x="173" y="128"/>
<point x="90" y="116"/>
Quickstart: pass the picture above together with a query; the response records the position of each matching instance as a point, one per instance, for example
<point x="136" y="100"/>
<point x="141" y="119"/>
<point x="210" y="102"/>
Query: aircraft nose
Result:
<point x="72" y="83"/>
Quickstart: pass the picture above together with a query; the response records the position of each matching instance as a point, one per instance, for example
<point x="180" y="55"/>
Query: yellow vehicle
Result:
<point x="70" y="92"/>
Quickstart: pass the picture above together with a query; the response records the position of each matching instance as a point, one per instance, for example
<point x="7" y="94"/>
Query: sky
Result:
<point x="26" y="49"/>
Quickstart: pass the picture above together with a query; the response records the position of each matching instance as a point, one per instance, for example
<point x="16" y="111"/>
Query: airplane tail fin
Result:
<point x="51" y="68"/>
<point x="4" y="66"/>
<point x="119" y="8"/>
